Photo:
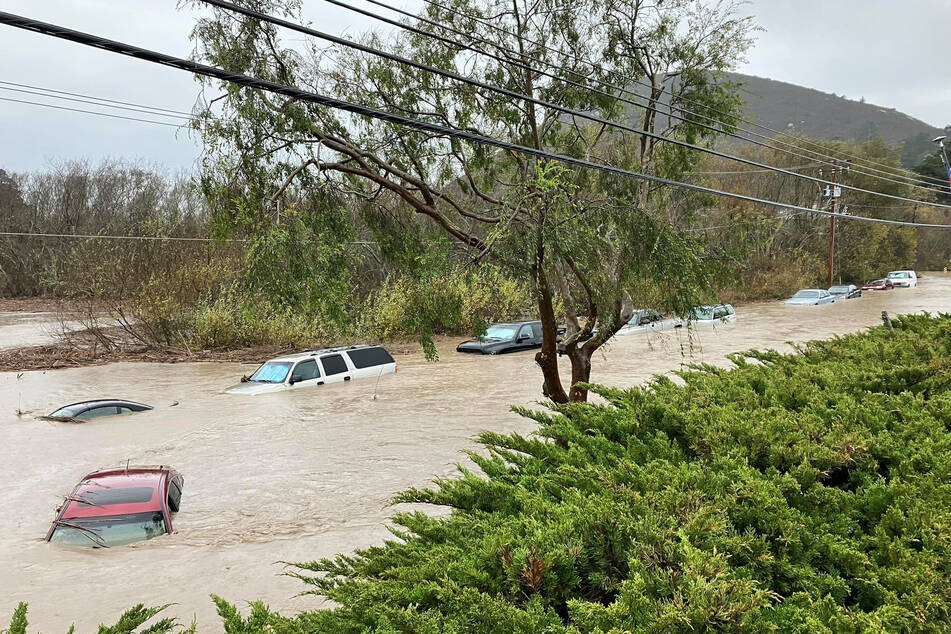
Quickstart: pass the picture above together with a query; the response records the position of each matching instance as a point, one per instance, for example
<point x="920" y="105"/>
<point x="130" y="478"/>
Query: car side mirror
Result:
<point x="522" y="338"/>
<point x="293" y="380"/>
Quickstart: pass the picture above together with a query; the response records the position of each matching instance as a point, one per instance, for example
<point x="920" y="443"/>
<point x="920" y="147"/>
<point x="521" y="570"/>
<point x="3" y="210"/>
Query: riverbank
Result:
<point x="83" y="348"/>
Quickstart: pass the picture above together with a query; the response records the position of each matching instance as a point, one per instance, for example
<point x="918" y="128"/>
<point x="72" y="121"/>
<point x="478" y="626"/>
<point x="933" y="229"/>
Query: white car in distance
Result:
<point x="317" y="367"/>
<point x="721" y="313"/>
<point x="649" y="320"/>
<point x="903" y="279"/>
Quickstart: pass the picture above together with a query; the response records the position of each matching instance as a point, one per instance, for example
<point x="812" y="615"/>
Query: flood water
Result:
<point x="299" y="475"/>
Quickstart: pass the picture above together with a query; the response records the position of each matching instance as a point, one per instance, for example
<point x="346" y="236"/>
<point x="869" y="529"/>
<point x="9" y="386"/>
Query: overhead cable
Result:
<point x="101" y="114"/>
<point x="205" y="70"/>
<point x="512" y="94"/>
<point x="894" y="171"/>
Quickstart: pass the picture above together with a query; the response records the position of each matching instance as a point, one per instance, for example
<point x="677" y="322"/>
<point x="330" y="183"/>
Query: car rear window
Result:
<point x="333" y="364"/>
<point x="369" y="357"/>
<point x="105" y="497"/>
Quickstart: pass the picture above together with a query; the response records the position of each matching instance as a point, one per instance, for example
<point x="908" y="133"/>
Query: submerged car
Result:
<point x="87" y="410"/>
<point x="648" y="320"/>
<point x="505" y="337"/>
<point x="812" y="296"/>
<point x="317" y="367"/>
<point x="903" y="279"/>
<point x="878" y="285"/>
<point x="845" y="291"/>
<point x="114" y="507"/>
<point x="712" y="314"/>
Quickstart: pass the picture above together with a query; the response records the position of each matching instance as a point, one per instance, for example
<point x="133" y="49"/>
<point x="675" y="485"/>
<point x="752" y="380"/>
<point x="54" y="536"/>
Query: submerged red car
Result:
<point x="113" y="507"/>
<point x="878" y="285"/>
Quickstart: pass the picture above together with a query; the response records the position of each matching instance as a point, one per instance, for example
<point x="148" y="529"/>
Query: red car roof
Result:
<point x="118" y="491"/>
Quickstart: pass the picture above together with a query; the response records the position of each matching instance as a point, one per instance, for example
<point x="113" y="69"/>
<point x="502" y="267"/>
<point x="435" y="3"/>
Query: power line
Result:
<point x="101" y="236"/>
<point x="142" y="109"/>
<point x="197" y="68"/>
<point x="75" y="94"/>
<point x="258" y="15"/>
<point x="611" y="86"/>
<point x="101" y="114"/>
<point x="105" y="236"/>
<point x="590" y="64"/>
<point x="455" y="43"/>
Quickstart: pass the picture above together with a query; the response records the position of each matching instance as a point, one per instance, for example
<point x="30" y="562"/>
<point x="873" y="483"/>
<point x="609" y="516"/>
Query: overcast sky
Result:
<point x="894" y="54"/>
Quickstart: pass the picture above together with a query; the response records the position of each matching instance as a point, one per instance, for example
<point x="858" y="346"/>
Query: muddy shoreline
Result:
<point x="64" y="354"/>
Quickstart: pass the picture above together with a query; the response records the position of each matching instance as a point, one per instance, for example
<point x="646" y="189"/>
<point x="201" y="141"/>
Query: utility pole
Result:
<point x="944" y="155"/>
<point x="832" y="199"/>
<point x="834" y="192"/>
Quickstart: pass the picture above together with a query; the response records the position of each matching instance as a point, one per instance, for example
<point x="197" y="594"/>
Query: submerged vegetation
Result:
<point x="795" y="493"/>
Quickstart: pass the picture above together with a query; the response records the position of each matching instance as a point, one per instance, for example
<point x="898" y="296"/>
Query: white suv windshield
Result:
<point x="272" y="372"/>
<point x="898" y="276"/>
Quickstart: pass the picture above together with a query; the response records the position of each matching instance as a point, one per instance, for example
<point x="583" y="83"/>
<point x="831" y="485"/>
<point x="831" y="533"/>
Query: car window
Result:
<point x="807" y="294"/>
<point x="305" y="371"/>
<point x="900" y="275"/>
<point x="272" y="372"/>
<point x="369" y="357"/>
<point x="103" y="497"/>
<point x="720" y="312"/>
<point x="502" y="332"/>
<point x="333" y="364"/>
<point x="537" y="330"/>
<point x="525" y="331"/>
<point x="96" y="412"/>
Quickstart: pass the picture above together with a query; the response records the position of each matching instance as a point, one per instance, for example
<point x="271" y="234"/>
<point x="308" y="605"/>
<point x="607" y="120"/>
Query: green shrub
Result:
<point x="446" y="302"/>
<point x="798" y="493"/>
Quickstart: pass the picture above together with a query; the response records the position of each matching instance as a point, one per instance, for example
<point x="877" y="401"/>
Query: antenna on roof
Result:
<point x="127" y="465"/>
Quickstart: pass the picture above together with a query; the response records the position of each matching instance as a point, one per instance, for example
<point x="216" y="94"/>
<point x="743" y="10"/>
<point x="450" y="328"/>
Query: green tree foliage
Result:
<point x="794" y="493"/>
<point x="774" y="252"/>
<point x="589" y="242"/>
<point x="135" y="620"/>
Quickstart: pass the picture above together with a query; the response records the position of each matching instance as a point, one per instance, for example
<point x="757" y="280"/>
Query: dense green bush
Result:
<point x="805" y="493"/>
<point x="795" y="493"/>
<point x="444" y="302"/>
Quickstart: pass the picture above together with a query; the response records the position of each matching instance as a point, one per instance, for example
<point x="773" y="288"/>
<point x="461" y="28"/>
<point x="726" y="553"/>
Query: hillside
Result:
<point x="793" y="108"/>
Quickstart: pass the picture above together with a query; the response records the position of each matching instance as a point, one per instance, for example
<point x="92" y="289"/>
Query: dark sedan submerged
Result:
<point x="94" y="409"/>
<point x="845" y="291"/>
<point x="509" y="337"/>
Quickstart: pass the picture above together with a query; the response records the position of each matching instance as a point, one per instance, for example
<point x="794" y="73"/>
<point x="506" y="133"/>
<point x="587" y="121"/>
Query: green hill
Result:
<point x="791" y="108"/>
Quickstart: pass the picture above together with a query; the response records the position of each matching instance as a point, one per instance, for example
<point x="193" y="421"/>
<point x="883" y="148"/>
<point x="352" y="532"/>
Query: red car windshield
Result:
<point x="110" y="530"/>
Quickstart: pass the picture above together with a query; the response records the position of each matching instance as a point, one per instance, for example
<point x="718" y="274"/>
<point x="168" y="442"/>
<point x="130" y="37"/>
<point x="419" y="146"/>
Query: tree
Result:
<point x="590" y="243"/>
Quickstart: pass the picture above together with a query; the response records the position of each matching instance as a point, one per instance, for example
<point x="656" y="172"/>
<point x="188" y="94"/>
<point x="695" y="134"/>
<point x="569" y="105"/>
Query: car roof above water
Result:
<point x="307" y="354"/>
<point x="122" y="490"/>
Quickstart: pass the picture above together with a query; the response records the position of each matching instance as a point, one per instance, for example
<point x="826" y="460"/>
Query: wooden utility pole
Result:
<point x="832" y="197"/>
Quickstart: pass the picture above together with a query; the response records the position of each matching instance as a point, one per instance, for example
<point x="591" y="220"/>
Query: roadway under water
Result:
<point x="299" y="475"/>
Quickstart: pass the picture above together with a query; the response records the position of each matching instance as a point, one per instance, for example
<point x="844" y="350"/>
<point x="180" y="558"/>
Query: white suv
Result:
<point x="904" y="279"/>
<point x="317" y="367"/>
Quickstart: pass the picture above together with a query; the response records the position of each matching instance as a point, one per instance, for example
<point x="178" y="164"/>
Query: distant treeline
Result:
<point x="320" y="269"/>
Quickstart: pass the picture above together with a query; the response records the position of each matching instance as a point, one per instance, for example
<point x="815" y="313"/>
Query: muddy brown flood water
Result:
<point x="300" y="475"/>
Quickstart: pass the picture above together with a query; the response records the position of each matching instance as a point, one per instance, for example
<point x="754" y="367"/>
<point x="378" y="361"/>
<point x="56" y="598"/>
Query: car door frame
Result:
<point x="520" y="343"/>
<point x="318" y="380"/>
<point x="339" y="377"/>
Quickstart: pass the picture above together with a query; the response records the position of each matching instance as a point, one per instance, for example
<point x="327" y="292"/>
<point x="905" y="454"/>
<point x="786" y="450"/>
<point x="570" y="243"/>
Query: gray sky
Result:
<point x="892" y="53"/>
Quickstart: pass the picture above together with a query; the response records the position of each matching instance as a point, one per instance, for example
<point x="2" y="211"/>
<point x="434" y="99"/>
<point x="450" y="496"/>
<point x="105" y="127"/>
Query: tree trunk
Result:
<point x="547" y="357"/>
<point x="580" y="373"/>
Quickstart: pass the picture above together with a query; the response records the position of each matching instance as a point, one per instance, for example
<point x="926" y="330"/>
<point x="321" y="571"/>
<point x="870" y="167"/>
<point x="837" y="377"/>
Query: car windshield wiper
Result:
<point x="89" y="533"/>
<point x="82" y="500"/>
